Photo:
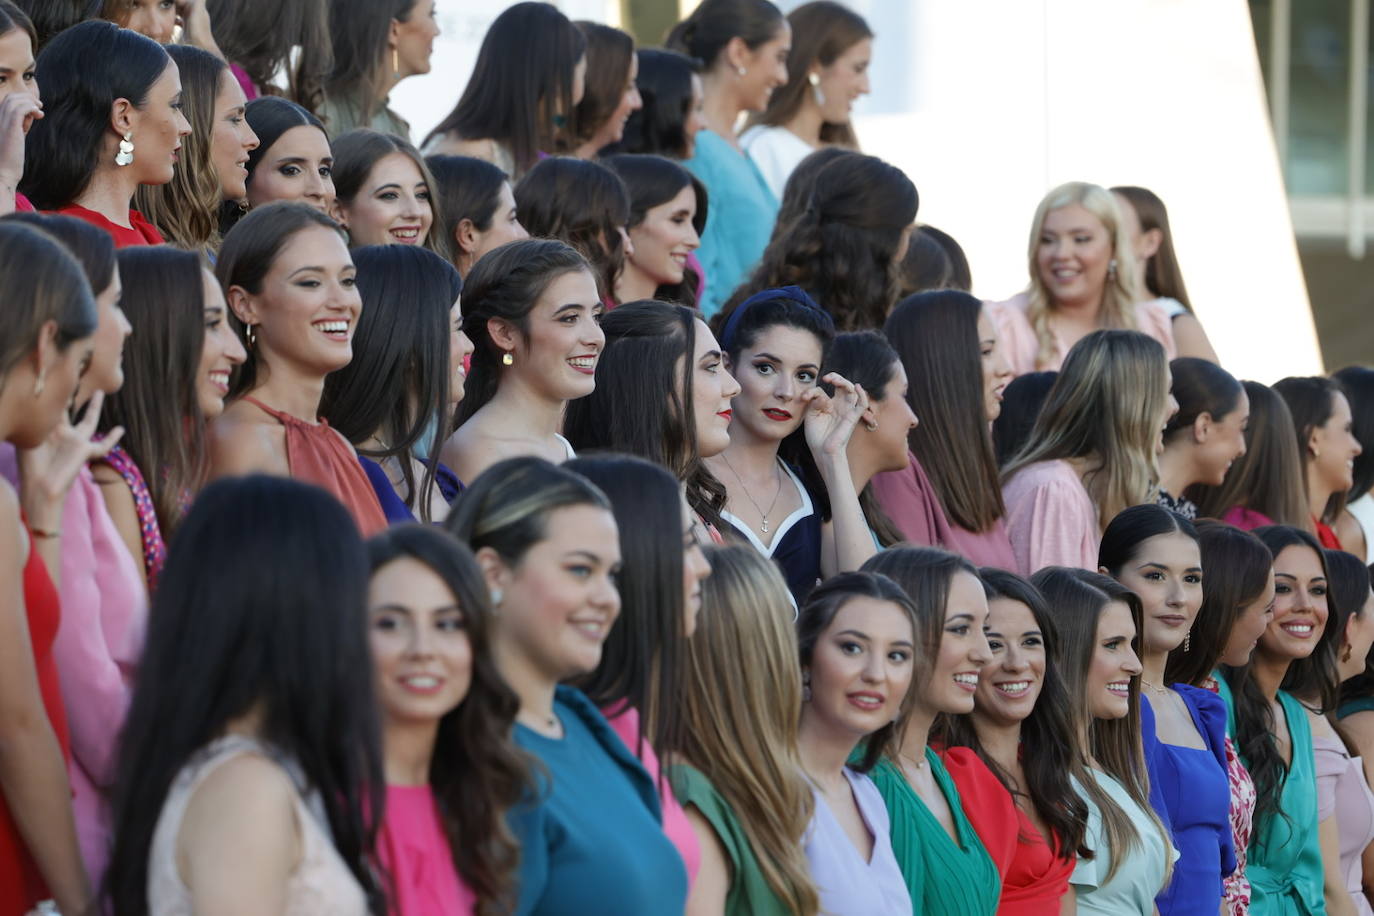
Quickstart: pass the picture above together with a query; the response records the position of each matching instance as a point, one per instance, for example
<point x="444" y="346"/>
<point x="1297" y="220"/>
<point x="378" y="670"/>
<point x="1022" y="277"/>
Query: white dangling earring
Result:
<point x="496" y="596"/>
<point x="815" y="80"/>
<point x="126" y="150"/>
<point x="741" y="71"/>
<point x="1111" y="269"/>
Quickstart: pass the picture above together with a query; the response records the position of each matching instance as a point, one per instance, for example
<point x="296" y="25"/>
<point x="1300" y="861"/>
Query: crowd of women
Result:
<point x="623" y="506"/>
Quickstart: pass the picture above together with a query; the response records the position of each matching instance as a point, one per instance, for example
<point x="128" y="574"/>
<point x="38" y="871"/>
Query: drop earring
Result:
<point x="507" y="359"/>
<point x="251" y="332"/>
<point x="806" y="687"/>
<point x="741" y="71"/>
<point x="1188" y="641"/>
<point x="815" y="80"/>
<point x="39" y="385"/>
<point x="396" y="63"/>
<point x="496" y="596"/>
<point x="1111" y="269"/>
<point x="125" y="156"/>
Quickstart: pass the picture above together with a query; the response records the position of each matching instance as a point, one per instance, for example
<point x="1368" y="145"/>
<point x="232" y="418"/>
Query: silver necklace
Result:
<point x="745" y="490"/>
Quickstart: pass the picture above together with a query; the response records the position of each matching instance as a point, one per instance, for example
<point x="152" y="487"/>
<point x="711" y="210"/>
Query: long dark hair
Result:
<point x="582" y="203"/>
<point x="665" y="89"/>
<point x="476" y="773"/>
<point x="397" y="384"/>
<point x="651" y="181"/>
<point x="360" y="31"/>
<point x="1132" y="527"/>
<point x="705" y="33"/>
<point x="42" y="283"/>
<point x="934" y="260"/>
<point x="506" y="284"/>
<point x="43" y="19"/>
<point x="1236" y="567"/>
<point x="357" y="152"/>
<point x="815" y="617"/>
<point x="521" y="87"/>
<point x="642" y="404"/>
<point x="925" y="574"/>
<point x="287" y="641"/>
<point x="644" y="656"/>
<point x="936" y="335"/>
<point x="1311" y="400"/>
<point x="842" y="247"/>
<point x="1358" y="384"/>
<point x="609" y="52"/>
<point x="1269" y="477"/>
<point x="1200" y="386"/>
<point x="270" y="117"/>
<point x="464" y="188"/>
<point x="1022" y="400"/>
<point x="82" y="71"/>
<point x="266" y="37"/>
<point x="1050" y="757"/>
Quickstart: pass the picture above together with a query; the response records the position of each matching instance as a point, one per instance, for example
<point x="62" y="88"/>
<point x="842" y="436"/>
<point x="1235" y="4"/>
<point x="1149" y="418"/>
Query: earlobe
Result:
<point x="1104" y="571"/>
<point x="465" y="235"/>
<point x="494" y="569"/>
<point x="242" y="305"/>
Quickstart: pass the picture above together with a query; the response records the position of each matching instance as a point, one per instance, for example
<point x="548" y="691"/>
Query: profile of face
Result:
<point x="1332" y="448"/>
<point x="105" y="372"/>
<point x="53" y="384"/>
<point x="695" y="568"/>
<point x="861" y="667"/>
<point x="696" y="117"/>
<point x="963" y="652"/>
<point x="1166" y="572"/>
<point x="504" y="227"/>
<point x="765" y="68"/>
<point x="1114" y="663"/>
<point x="413" y="40"/>
<point x="155" y="129"/>
<point x="17" y="72"/>
<point x="557" y="353"/>
<point x="1300" y="605"/>
<point x="308" y="306"/>
<point x="559" y="601"/>
<point x="774" y="372"/>
<point x="1251" y="622"/>
<point x="630" y="102"/>
<point x="1170" y="408"/>
<point x="156" y="19"/>
<point x="713" y="390"/>
<point x="222" y="351"/>
<point x="1010" y="682"/>
<point x="231" y="138"/>
<point x="299" y="167"/>
<point x="1073" y="255"/>
<point x="459" y="349"/>
<point x="664" y="239"/>
<point x="1144" y="244"/>
<point x="1219" y="442"/>
<point x="886" y="423"/>
<point x="843" y="82"/>
<point x="579" y="80"/>
<point x="997" y="371"/>
<point x="392" y="207"/>
<point x="421" y="654"/>
<point x="1359" y="637"/>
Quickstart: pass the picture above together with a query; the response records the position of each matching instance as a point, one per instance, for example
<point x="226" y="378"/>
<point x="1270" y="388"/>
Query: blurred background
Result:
<point x="1250" y="119"/>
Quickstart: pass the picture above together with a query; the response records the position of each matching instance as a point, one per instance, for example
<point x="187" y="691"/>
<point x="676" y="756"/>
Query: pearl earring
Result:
<point x="815" y="80"/>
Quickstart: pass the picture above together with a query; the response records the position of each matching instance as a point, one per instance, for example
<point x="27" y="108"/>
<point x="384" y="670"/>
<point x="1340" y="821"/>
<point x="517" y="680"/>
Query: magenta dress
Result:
<point x="414" y="849"/>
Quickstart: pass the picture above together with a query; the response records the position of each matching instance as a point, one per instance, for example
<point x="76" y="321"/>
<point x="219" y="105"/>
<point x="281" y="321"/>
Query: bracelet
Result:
<point x="41" y="533"/>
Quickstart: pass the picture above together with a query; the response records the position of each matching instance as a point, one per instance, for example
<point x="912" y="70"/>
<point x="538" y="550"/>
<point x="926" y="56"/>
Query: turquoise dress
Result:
<point x="739" y="217"/>
<point x="1284" y="861"/>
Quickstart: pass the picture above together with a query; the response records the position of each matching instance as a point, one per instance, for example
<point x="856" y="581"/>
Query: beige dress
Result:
<point x="321" y="883"/>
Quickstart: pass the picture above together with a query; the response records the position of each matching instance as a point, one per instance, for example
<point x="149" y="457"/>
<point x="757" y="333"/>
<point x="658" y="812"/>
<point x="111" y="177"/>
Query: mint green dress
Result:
<point x="945" y="878"/>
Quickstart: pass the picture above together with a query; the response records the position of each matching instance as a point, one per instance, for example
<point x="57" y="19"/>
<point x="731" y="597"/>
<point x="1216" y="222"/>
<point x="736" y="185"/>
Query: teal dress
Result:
<point x="1284" y="860"/>
<point x="945" y="878"/>
<point x="739" y="218"/>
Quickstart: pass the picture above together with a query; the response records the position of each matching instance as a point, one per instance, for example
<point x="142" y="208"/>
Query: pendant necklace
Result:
<point x="745" y="489"/>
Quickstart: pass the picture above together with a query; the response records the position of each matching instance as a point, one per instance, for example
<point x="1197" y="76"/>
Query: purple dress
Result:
<point x="848" y="885"/>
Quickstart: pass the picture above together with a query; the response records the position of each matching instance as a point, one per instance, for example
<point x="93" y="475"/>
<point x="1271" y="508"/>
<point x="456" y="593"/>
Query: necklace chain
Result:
<point x="1151" y="687"/>
<point x="745" y="489"/>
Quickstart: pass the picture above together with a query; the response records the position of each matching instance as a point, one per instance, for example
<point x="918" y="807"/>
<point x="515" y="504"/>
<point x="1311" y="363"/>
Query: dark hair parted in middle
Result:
<point x="356" y="154"/>
<point x="582" y="203"/>
<point x="651" y="181"/>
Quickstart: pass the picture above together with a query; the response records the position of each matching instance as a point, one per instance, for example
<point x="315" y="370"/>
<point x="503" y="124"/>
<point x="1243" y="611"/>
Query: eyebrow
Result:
<point x="583" y="553"/>
<point x="777" y="359"/>
<point x="709" y="354"/>
<point x="958" y="617"/>
<point x="1162" y="566"/>
<point x="393" y="606"/>
<point x="388" y="185"/>
<point x="301" y="270"/>
<point x="217" y="309"/>
<point x="570" y="307"/>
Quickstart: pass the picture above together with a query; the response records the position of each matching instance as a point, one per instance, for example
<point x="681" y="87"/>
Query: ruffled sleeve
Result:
<point x="1210" y="713"/>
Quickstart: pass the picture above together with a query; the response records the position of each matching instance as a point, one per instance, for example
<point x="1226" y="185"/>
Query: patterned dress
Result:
<point x="154" y="548"/>
<point x="1235" y="887"/>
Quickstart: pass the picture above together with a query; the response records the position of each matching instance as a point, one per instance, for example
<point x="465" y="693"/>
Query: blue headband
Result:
<point x="791" y="293"/>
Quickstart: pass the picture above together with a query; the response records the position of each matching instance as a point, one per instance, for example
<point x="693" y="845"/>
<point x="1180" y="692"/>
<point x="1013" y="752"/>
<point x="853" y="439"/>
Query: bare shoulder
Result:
<point x="245" y="440"/>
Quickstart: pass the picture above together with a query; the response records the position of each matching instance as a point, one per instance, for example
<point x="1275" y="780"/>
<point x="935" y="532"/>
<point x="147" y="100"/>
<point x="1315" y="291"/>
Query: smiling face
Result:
<point x="997" y="371"/>
<point x="459" y="349"/>
<point x="1073" y="254"/>
<point x="1114" y="663"/>
<point x="299" y="166"/>
<point x="105" y="372"/>
<point x="414" y="38"/>
<point x="231" y="139"/>
<point x="773" y="373"/>
<point x="765" y="69"/>
<point x="695" y="568"/>
<point x="1225" y="442"/>
<point x="844" y="81"/>
<point x="392" y="206"/>
<point x="1300" y="605"/>
<point x="559" y="353"/>
<point x="1010" y="682"/>
<point x="630" y="102"/>
<point x="221" y="353"/>
<point x="1250" y="625"/>
<point x="1333" y="448"/>
<point x="157" y="128"/>
<point x="664" y="239"/>
<point x="861" y="668"/>
<point x="1166" y="572"/>
<point x="963" y="651"/>
<point x="713" y="390"/>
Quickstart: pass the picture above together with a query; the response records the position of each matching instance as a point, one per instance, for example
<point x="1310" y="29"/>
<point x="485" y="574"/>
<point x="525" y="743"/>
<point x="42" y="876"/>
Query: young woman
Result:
<point x="857" y="642"/>
<point x="1092" y="450"/>
<point x="376" y="46"/>
<point x="292" y="162"/>
<point x="266" y="41"/>
<point x="48" y="324"/>
<point x="395" y="398"/>
<point x="956" y="373"/>
<point x="1158" y="275"/>
<point x="660" y="583"/>
<point x="774" y="346"/>
<point x="159" y="20"/>
<point x="667" y="217"/>
<point x="1265" y="485"/>
<point x="1022" y="400"/>
<point x="532" y="313"/>
<point x="383" y="192"/>
<point x="290" y="282"/>
<point x="1353" y="521"/>
<point x="946" y="866"/>
<point x="1326" y="444"/>
<point x="801" y="184"/>
<point x="253" y="784"/>
<point x="662" y="393"/>
<point x="610" y="95"/>
<point x="1082" y="278"/>
<point x="476" y="203"/>
<point x="743" y="45"/>
<point x="19" y="102"/>
<point x="827" y="71"/>
<point x="549" y="550"/>
<point x="1273" y="732"/>
<point x="210" y="169"/>
<point x="520" y="100"/>
<point x="1206" y="436"/>
<point x="846" y="247"/>
<point x="1022" y="729"/>
<point x="583" y="204"/>
<point x="670" y="116"/>
<point x="748" y="802"/>
<point x="1100" y="623"/>
<point x="934" y="260"/>
<point x="1156" y="554"/>
<point x="452" y="772"/>
<point x="1237" y="605"/>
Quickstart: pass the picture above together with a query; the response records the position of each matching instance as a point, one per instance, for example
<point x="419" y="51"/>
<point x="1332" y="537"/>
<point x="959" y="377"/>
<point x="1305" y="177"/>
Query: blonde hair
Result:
<point x="1118" y="293"/>
<point x="740" y="701"/>
<point x="1107" y="405"/>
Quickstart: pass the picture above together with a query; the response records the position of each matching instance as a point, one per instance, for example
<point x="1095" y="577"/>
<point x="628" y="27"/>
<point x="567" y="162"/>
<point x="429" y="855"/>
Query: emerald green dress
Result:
<point x="750" y="893"/>
<point x="945" y="878"/>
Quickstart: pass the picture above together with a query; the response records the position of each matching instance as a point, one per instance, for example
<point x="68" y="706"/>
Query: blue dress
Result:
<point x="593" y="840"/>
<point x="796" y="544"/>
<point x="739" y="218"/>
<point x="1190" y="792"/>
<point x="395" y="508"/>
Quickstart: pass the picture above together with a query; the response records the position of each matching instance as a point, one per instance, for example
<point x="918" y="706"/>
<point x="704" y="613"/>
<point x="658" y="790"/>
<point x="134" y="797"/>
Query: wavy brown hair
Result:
<point x="265" y="37"/>
<point x="582" y="203"/>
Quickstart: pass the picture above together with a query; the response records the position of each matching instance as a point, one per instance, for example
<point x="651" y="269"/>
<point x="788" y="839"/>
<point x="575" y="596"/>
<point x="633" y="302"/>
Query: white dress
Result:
<point x="775" y="151"/>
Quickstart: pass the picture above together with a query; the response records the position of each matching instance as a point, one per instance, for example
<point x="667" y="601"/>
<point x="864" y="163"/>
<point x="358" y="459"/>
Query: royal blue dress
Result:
<point x="395" y="508"/>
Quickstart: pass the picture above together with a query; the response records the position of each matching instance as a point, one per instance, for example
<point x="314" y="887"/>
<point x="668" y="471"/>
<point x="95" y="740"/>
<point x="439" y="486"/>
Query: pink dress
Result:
<point x="415" y="851"/>
<point x="1051" y="519"/>
<point x="1246" y="519"/>
<point x="675" y="824"/>
<point x="1020" y="343"/>
<point x="1342" y="790"/>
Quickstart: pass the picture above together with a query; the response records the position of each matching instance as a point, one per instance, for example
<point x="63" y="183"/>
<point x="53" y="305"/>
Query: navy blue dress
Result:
<point x="393" y="507"/>
<point x="796" y="545"/>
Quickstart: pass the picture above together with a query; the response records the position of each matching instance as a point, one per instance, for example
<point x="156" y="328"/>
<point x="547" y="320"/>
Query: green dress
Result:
<point x="945" y="878"/>
<point x="749" y="892"/>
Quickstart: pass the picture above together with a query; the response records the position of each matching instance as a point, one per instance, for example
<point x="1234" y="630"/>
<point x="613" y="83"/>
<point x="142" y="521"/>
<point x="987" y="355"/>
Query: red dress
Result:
<point x="21" y="886"/>
<point x="138" y="232"/>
